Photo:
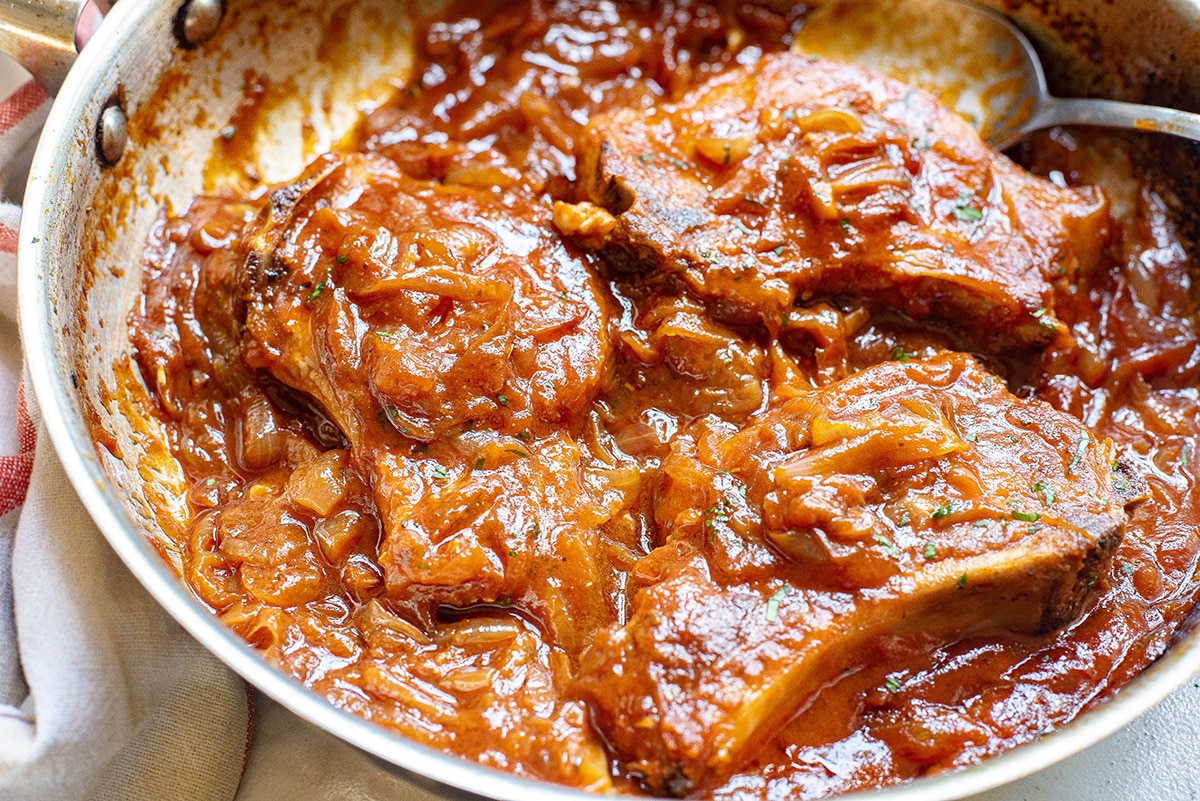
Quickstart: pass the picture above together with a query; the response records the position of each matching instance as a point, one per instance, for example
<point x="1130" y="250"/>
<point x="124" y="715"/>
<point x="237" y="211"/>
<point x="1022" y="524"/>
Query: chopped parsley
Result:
<point x="317" y="290"/>
<point x="888" y="547"/>
<point x="845" y="223"/>
<point x="930" y="551"/>
<point x="968" y="213"/>
<point x="440" y="473"/>
<point x="1080" y="451"/>
<point x="1025" y="517"/>
<point x="773" y="602"/>
<point x="778" y="250"/>
<point x="479" y="463"/>
<point x="501" y="399"/>
<point x="892" y="685"/>
<point x="962" y="581"/>
<point x="943" y="511"/>
<point x="1041" y="315"/>
<point x="1047" y="491"/>
<point x="899" y="354"/>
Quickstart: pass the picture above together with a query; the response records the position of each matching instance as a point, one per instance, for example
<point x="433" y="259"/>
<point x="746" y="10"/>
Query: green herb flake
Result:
<point x="341" y="259"/>
<point x="778" y="250"/>
<point x="517" y="452"/>
<point x="962" y="581"/>
<point x="479" y="463"/>
<point x="903" y="521"/>
<point x="888" y="547"/>
<point x="646" y="158"/>
<point x="968" y="213"/>
<point x="1025" y="517"/>
<point x="728" y="152"/>
<point x="773" y="603"/>
<point x="501" y="399"/>
<point x="317" y="290"/>
<point x="845" y="223"/>
<point x="1048" y="493"/>
<point x="678" y="163"/>
<point x="943" y="511"/>
<point x="892" y="685"/>
<point x="1041" y="315"/>
<point x="980" y="523"/>
<point x="972" y="437"/>
<point x="899" y="354"/>
<point x="930" y="551"/>
<point x="741" y="226"/>
<point x="1080" y="451"/>
<point x="440" y="473"/>
<point x="210" y="482"/>
<point x="1185" y="455"/>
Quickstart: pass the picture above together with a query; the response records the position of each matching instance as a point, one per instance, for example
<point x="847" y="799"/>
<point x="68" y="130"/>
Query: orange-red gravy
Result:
<point x="286" y="542"/>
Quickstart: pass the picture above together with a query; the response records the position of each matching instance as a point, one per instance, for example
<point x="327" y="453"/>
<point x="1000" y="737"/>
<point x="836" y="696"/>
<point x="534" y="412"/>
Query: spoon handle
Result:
<point x="1114" y="114"/>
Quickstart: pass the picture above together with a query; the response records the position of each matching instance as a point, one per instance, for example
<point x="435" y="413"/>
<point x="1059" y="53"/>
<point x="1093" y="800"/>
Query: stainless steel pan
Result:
<point x="131" y="131"/>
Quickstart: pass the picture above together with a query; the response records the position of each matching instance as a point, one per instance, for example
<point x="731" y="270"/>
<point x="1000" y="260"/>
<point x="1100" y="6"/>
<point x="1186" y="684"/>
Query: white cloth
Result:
<point x="103" y="696"/>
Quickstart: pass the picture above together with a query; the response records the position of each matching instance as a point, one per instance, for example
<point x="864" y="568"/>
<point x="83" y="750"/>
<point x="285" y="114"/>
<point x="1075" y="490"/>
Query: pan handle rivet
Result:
<point x="198" y="21"/>
<point x="112" y="133"/>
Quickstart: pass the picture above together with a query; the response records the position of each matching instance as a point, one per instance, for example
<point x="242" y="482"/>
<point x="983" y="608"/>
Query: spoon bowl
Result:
<point x="976" y="61"/>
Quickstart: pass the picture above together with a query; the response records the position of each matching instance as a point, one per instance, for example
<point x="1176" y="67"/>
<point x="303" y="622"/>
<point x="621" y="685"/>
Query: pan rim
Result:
<point x="59" y="151"/>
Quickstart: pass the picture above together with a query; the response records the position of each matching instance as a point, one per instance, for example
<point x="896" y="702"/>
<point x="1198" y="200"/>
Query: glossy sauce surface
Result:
<point x="467" y="467"/>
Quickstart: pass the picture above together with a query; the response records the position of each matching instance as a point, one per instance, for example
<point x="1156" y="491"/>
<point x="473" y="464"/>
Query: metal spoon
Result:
<point x="973" y="58"/>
